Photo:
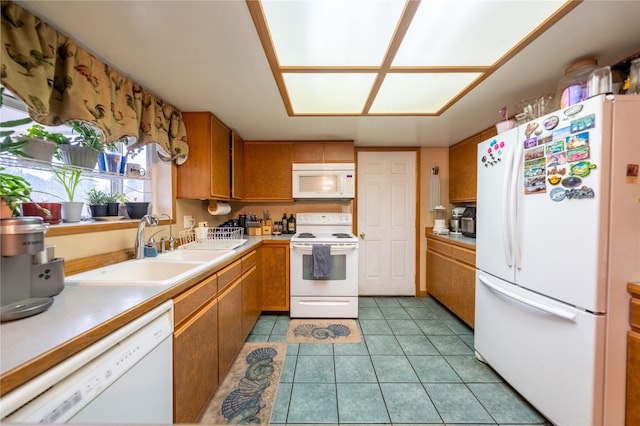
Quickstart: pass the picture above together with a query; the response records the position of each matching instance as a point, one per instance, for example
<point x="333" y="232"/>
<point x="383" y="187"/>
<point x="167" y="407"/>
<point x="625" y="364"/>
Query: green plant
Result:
<point x="14" y="190"/>
<point x="87" y="135"/>
<point x="69" y="178"/>
<point x="6" y="143"/>
<point x="115" y="198"/>
<point x="96" y="197"/>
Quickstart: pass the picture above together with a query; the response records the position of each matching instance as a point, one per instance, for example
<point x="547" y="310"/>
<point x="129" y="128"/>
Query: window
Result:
<point x="111" y="180"/>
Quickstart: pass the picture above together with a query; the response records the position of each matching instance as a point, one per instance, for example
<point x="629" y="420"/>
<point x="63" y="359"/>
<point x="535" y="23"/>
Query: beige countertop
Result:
<point x="80" y="315"/>
<point x="457" y="239"/>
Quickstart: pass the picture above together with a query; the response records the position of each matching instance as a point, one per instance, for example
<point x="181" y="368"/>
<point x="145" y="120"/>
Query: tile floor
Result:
<point x="415" y="365"/>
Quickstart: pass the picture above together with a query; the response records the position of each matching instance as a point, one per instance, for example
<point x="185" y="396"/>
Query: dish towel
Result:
<point x="321" y="260"/>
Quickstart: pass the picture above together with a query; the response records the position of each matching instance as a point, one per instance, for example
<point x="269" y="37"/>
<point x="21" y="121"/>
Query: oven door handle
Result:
<point x="334" y="248"/>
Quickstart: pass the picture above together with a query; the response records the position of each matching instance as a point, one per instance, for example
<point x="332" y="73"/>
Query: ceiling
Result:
<point x="206" y="55"/>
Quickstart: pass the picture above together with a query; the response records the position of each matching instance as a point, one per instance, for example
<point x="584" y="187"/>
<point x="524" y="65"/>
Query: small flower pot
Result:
<point x="77" y="155"/>
<point x="53" y="217"/>
<point x="503" y="126"/>
<point x="72" y="211"/>
<point x="98" y="210"/>
<point x="135" y="210"/>
<point x="113" y="209"/>
<point x="38" y="149"/>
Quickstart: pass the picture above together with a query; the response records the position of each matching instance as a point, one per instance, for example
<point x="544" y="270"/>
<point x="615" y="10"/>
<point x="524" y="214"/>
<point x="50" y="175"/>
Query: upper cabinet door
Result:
<point x="237" y="166"/>
<point x="267" y="171"/>
<point x="463" y="167"/>
<point x="207" y="172"/>
<point x="323" y="152"/>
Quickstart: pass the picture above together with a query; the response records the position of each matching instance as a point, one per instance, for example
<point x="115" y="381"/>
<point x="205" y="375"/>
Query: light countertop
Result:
<point x="79" y="310"/>
<point x="458" y="239"/>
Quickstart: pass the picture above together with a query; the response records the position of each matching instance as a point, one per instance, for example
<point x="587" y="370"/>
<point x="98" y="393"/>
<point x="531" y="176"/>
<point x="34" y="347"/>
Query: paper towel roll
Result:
<point x="219" y="209"/>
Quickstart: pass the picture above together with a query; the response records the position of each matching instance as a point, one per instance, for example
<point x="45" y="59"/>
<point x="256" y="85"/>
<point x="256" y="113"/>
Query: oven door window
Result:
<point x="338" y="268"/>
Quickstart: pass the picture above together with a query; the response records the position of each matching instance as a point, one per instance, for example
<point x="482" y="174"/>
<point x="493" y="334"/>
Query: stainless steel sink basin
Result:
<point x="143" y="272"/>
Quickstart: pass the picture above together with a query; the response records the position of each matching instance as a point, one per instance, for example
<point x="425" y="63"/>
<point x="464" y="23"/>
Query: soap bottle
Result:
<point x="285" y="228"/>
<point x="291" y="224"/>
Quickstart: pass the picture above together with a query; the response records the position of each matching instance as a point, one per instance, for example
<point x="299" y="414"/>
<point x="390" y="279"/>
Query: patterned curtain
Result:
<point x="61" y="81"/>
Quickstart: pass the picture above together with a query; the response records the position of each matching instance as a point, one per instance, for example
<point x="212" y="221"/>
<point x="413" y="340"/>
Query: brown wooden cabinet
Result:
<point x="251" y="305"/>
<point x="633" y="358"/>
<point x="451" y="276"/>
<point x="267" y="171"/>
<point x="195" y="350"/>
<point x="463" y="167"/>
<point x="237" y="166"/>
<point x="207" y="172"/>
<point x="274" y="256"/>
<point x="323" y="152"/>
<point x="230" y="337"/>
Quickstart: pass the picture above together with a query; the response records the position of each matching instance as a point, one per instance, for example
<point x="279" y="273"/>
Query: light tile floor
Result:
<point x="415" y="365"/>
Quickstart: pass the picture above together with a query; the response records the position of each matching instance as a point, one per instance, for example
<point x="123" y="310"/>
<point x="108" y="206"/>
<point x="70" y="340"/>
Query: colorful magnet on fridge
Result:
<point x="557" y="194"/>
<point x="551" y="122"/>
<point x="580" y="193"/>
<point x="573" y="110"/>
<point x="581" y="168"/>
<point x="571" y="182"/>
<point x="554" y="180"/>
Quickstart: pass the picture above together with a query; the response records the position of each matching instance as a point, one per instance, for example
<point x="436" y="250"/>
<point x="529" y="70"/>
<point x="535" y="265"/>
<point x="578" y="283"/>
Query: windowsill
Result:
<point x="89" y="226"/>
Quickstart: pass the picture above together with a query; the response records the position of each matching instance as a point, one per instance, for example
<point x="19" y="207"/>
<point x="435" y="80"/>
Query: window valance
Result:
<point x="61" y="81"/>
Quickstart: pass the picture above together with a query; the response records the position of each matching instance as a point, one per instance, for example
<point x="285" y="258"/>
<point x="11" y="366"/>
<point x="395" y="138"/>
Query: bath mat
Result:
<point x="323" y="331"/>
<point x="249" y="390"/>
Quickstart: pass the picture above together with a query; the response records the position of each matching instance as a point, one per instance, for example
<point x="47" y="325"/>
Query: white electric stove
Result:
<point x="335" y="293"/>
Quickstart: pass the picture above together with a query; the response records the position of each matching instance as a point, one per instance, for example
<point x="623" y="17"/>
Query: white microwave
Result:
<point x="324" y="180"/>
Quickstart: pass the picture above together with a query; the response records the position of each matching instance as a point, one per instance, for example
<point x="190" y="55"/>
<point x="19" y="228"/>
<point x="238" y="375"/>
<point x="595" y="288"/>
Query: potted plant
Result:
<point x="39" y="144"/>
<point x="8" y="145"/>
<point x="15" y="195"/>
<point x="97" y="201"/>
<point x="83" y="150"/>
<point x="113" y="202"/>
<point x="69" y="178"/>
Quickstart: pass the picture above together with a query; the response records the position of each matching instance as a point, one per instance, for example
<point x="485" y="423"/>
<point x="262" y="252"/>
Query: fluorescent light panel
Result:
<point x="328" y="53"/>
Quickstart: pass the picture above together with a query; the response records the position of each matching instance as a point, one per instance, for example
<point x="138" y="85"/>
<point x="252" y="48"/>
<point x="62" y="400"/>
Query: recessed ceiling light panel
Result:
<point x="419" y="93"/>
<point x="328" y="93"/>
<point x="469" y="32"/>
<point x="331" y="32"/>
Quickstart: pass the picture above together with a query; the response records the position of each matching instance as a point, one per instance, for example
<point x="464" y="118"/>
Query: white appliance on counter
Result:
<point x="127" y="377"/>
<point x="334" y="295"/>
<point x="323" y="180"/>
<point x="557" y="242"/>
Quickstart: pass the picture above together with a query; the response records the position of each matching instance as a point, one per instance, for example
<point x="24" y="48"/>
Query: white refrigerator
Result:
<point x="558" y="239"/>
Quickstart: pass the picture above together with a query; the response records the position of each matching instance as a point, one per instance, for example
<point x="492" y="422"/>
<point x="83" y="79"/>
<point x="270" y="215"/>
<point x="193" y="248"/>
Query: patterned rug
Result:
<point x="323" y="331"/>
<point x="249" y="390"/>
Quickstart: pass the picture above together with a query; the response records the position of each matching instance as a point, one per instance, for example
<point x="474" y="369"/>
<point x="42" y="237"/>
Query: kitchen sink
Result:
<point x="143" y="272"/>
<point x="195" y="255"/>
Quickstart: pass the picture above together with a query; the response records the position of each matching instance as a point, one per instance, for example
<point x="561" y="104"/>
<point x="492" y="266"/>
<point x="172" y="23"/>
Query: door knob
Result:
<point x="362" y="235"/>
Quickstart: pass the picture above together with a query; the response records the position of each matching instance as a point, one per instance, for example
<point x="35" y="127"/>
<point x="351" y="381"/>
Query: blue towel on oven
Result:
<point x="321" y="260"/>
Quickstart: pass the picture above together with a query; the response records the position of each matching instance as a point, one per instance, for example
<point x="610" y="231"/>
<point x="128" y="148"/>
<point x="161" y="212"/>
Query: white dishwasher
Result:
<point x="126" y="377"/>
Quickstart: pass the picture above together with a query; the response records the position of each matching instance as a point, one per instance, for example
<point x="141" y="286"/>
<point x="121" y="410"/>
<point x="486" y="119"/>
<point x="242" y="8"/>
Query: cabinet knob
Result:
<point x="362" y="235"/>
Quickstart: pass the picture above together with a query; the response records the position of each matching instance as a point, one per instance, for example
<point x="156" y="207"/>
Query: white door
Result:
<point x="387" y="223"/>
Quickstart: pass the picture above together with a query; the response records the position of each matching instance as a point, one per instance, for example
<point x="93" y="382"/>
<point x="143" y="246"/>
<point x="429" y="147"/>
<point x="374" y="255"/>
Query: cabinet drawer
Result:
<point x="634" y="313"/>
<point x="191" y="300"/>
<point x="439" y="246"/>
<point x="229" y="274"/>
<point x="249" y="261"/>
<point x="464" y="255"/>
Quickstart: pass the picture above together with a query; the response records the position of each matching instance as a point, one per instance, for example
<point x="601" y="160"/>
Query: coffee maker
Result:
<point x="30" y="274"/>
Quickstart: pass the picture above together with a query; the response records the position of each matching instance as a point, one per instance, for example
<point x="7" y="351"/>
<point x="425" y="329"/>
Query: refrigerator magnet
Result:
<point x="583" y="123"/>
<point x="580" y="153"/>
<point x="579" y="193"/>
<point x="581" y="168"/>
<point x="551" y="122"/>
<point x="557" y="194"/>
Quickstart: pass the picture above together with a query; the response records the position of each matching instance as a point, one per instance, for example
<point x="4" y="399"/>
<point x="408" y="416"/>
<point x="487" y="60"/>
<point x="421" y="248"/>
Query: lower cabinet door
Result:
<point x="230" y="337"/>
<point x="195" y="364"/>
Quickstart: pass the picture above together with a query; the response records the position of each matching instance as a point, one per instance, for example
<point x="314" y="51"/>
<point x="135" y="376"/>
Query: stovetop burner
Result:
<point x="341" y="235"/>
<point x="306" y="235"/>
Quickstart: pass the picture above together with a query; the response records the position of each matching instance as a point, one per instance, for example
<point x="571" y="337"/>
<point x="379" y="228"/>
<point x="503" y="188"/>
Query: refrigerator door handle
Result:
<point x="516" y="182"/>
<point x="507" y="200"/>
<point x="542" y="307"/>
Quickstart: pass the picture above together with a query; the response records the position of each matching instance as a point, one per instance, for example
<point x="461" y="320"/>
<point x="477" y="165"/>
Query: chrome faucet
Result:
<point x="146" y="219"/>
<point x="172" y="239"/>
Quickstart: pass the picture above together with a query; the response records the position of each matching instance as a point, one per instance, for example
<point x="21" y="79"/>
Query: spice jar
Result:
<point x="573" y="86"/>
